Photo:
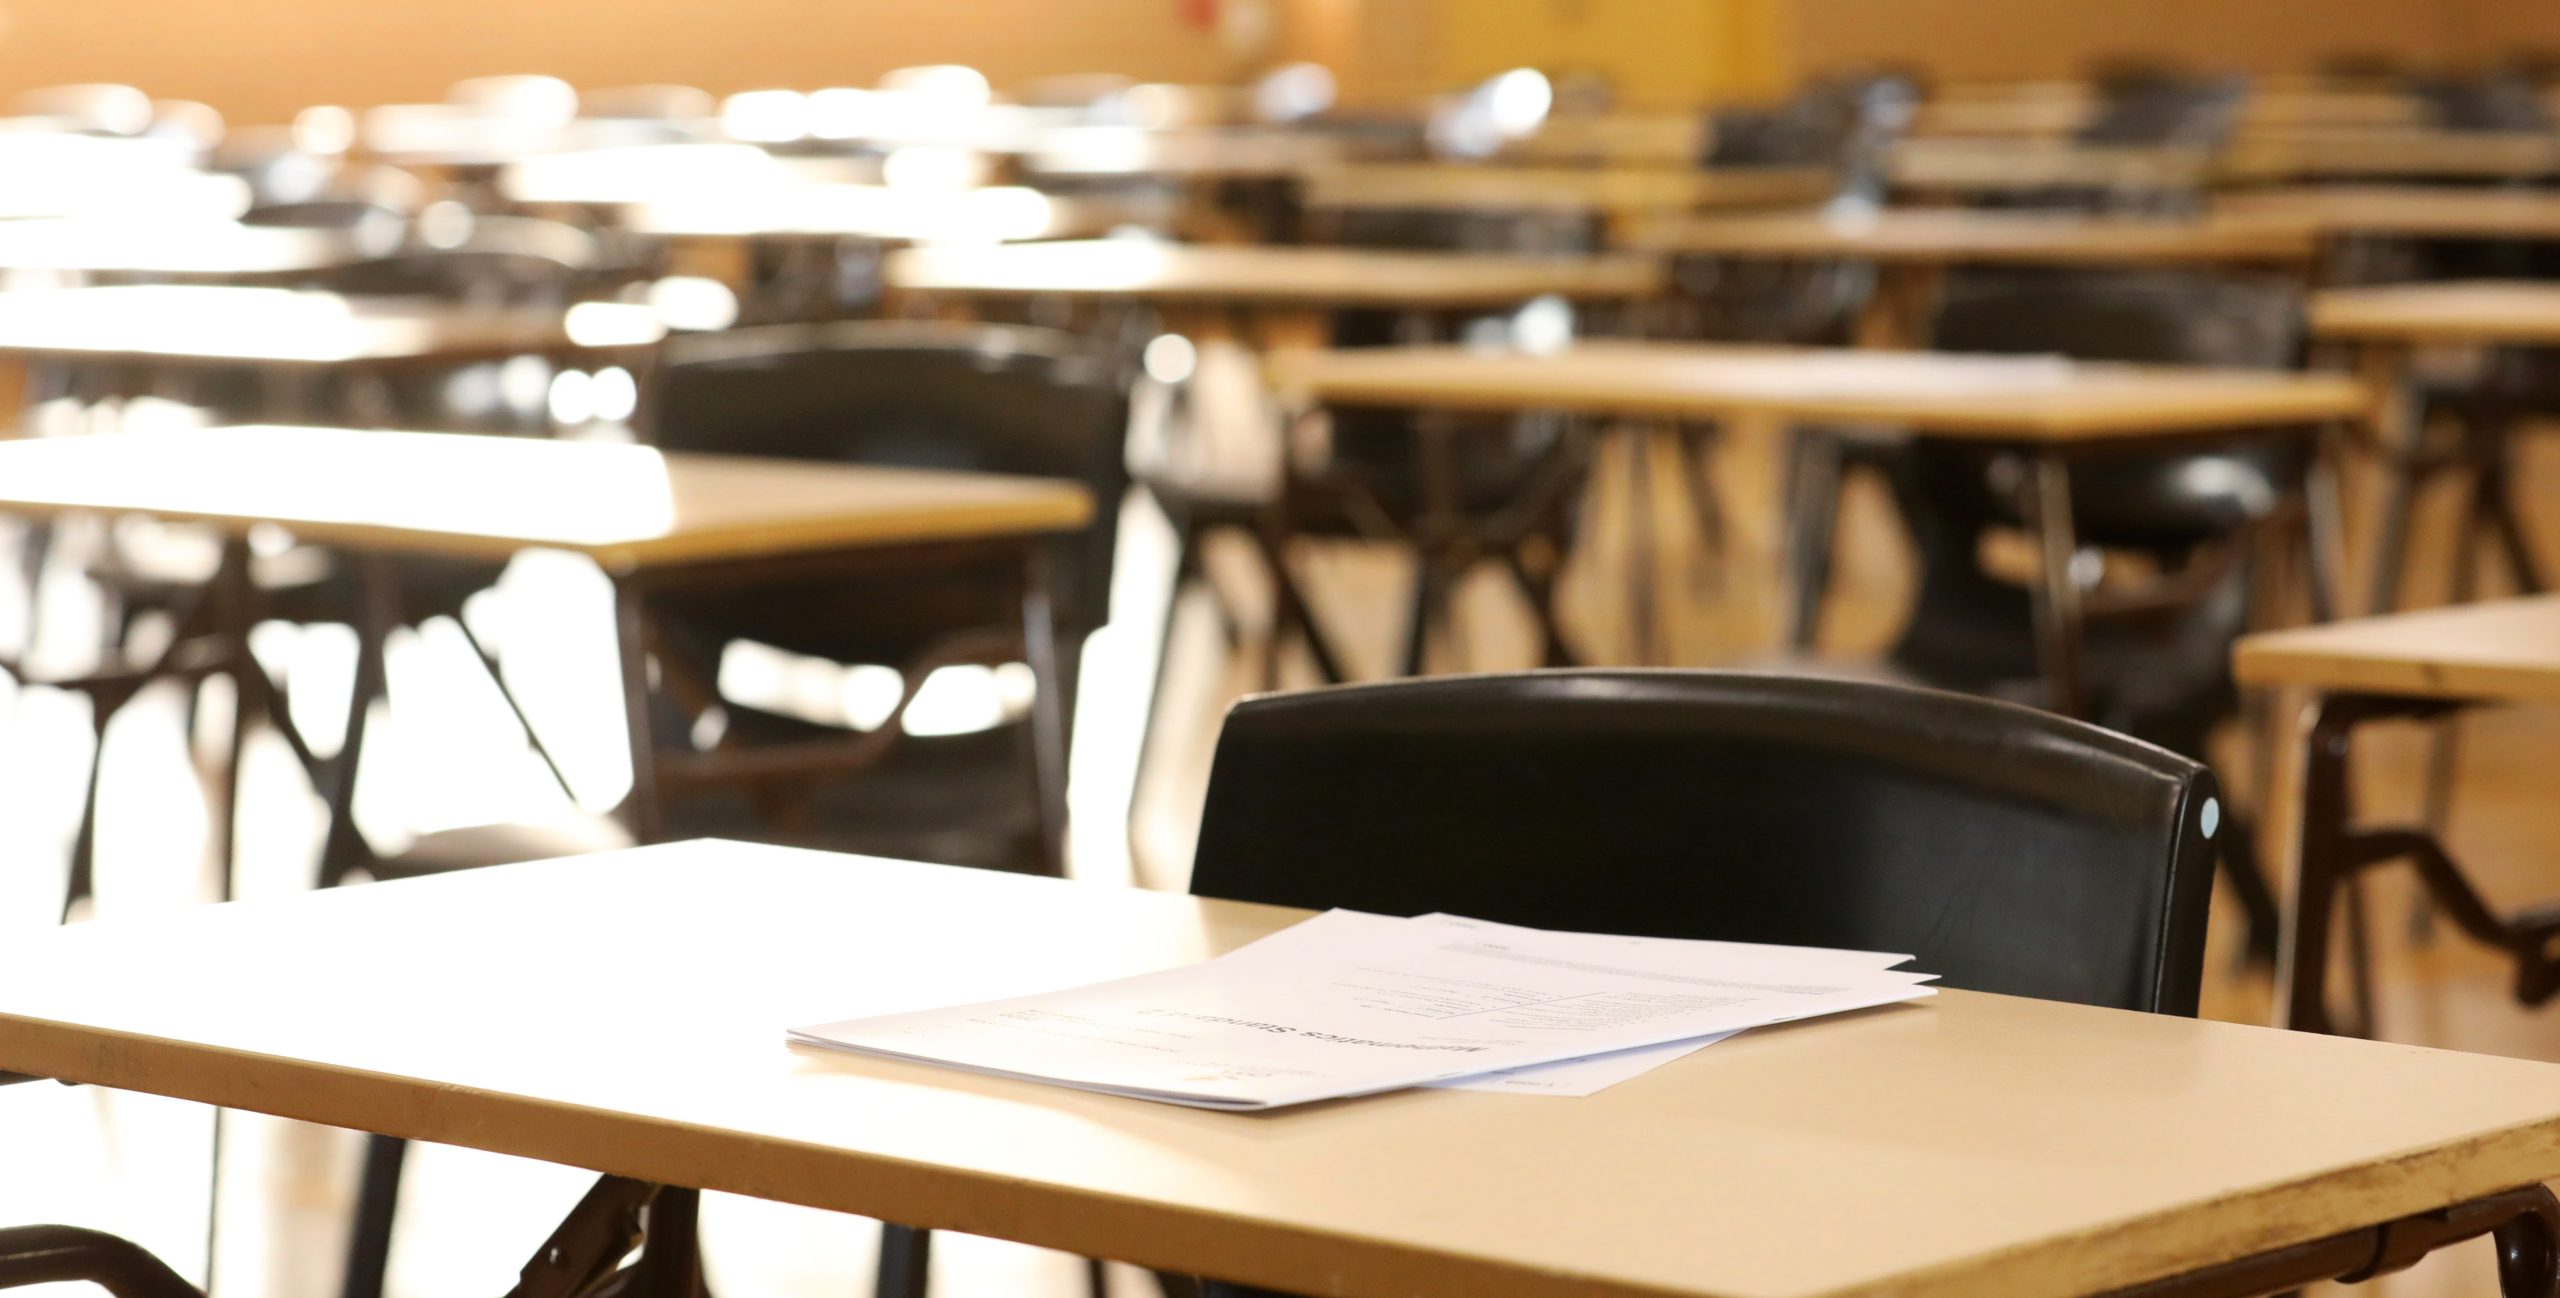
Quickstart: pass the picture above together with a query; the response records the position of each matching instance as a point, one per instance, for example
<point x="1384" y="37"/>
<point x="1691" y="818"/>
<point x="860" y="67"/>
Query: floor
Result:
<point x="450" y="754"/>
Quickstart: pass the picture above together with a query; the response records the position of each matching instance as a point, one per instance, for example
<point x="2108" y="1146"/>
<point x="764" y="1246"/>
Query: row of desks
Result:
<point x="2287" y="227"/>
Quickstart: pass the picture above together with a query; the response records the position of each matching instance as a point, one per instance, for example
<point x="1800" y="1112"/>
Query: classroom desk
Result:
<point x="1913" y="247"/>
<point x="160" y="247"/>
<point x="1278" y="290"/>
<point x="2419" y="664"/>
<point x="1610" y="196"/>
<point x="1969" y="1145"/>
<point x="2274" y="155"/>
<point x="2050" y="409"/>
<point x="1186" y="154"/>
<point x="2403" y="211"/>
<point x="1975" y="168"/>
<point x="829" y="213"/>
<point x="652" y="521"/>
<point x="2387" y="326"/>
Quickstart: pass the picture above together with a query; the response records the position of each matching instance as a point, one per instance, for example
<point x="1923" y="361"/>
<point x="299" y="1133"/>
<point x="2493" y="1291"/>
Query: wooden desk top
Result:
<point x="651" y="172"/>
<point x="272" y="326"/>
<point x="991" y="214"/>
<point x="2406" y="211"/>
<point x="2313" y="153"/>
<point x="2035" y="399"/>
<point x="2002" y="166"/>
<point x="1607" y="190"/>
<point x="1129" y="268"/>
<point x="2468" y="311"/>
<point x="2502" y="651"/>
<point x="1940" y="236"/>
<point x="1207" y="153"/>
<point x="454" y="494"/>
<point x="173" y="247"/>
<point x="1974" y="1145"/>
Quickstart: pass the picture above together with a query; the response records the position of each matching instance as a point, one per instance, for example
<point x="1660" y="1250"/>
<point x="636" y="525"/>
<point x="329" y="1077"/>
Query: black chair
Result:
<point x="984" y="398"/>
<point x="1513" y="483"/>
<point x="2157" y="655"/>
<point x="1000" y="399"/>
<point x="2011" y="850"/>
<point x="2501" y="101"/>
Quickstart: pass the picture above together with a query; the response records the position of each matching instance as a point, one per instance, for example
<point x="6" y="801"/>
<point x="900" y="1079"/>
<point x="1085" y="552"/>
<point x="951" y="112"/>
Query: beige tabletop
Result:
<point x="2502" y="651"/>
<point x="1209" y="153"/>
<point x="2035" y="399"/>
<point x="653" y="172"/>
<point x="2404" y="211"/>
<point x="1942" y="236"/>
<point x="1955" y="165"/>
<point x="2522" y="312"/>
<point x="1625" y="138"/>
<point x="226" y="324"/>
<point x="1139" y="269"/>
<point x="967" y="216"/>
<point x="2276" y="154"/>
<point x="1970" y="1145"/>
<point x="455" y="494"/>
<point x="1607" y="190"/>
<point x="176" y="247"/>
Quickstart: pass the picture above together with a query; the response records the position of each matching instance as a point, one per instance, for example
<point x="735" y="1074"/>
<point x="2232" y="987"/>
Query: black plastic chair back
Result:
<point x="2009" y="850"/>
<point x="985" y="398"/>
<point x="2508" y="102"/>
<point x="2146" y="499"/>
<point x="2143" y="112"/>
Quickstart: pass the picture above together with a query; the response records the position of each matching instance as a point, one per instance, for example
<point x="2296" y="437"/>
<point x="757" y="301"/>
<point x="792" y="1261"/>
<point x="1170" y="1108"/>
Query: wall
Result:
<point x="1661" y="52"/>
<point x="260" y="60"/>
<point x="2026" y="39"/>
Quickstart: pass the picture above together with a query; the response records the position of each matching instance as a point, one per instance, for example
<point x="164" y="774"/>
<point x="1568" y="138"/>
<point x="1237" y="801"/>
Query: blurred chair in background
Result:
<point x="2189" y="531"/>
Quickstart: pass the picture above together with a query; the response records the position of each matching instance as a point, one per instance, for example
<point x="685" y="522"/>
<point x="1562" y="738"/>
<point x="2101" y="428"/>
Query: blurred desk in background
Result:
<point x="2049" y="409"/>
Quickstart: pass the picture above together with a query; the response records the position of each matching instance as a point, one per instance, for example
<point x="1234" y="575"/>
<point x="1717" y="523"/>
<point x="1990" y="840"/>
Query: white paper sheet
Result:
<point x="1570" y="1078"/>
<point x="1402" y="1004"/>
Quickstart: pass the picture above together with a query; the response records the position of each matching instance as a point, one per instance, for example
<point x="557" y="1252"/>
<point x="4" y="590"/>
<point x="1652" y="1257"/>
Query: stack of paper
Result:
<point x="1350" y="1004"/>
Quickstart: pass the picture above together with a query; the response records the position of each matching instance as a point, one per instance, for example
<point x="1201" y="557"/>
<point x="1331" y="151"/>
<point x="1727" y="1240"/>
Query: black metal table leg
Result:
<point x="906" y="1255"/>
<point x="2523" y="1224"/>
<point x="1049" y="716"/>
<point x="2058" y="617"/>
<point x="641" y="811"/>
<point x="377" y="1200"/>
<point x="2334" y="850"/>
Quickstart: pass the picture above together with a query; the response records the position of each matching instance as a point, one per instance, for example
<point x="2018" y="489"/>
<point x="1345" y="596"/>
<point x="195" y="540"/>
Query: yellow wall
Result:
<point x="259" y="60"/>
<point x="2029" y="39"/>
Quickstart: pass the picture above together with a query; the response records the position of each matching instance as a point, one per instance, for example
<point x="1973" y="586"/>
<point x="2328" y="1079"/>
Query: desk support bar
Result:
<point x="584" y="1258"/>
<point x="2334" y="851"/>
<point x="2524" y="1223"/>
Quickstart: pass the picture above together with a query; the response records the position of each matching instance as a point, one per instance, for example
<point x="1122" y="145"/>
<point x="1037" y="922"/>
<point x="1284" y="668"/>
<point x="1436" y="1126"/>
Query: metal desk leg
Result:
<point x="2523" y="1224"/>
<point x="2334" y="851"/>
<point x="641" y="811"/>
<point x="344" y="848"/>
<point x="1048" y="711"/>
<point x="2057" y="607"/>
<point x="2402" y="467"/>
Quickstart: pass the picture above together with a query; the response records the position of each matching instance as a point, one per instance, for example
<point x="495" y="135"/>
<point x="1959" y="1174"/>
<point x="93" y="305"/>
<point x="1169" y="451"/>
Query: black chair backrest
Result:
<point x="988" y="398"/>
<point x="2165" y="110"/>
<point x="486" y="261"/>
<point x="2146" y="498"/>
<point x="2010" y="850"/>
<point x="2499" y="102"/>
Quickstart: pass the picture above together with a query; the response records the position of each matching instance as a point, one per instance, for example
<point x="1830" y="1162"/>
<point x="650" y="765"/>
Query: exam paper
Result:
<point x="1572" y="1078"/>
<point x="1384" y="1007"/>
